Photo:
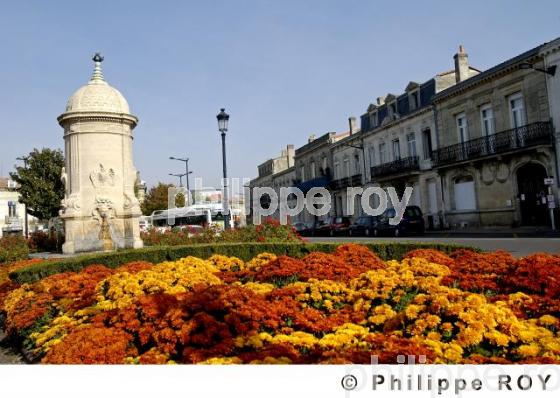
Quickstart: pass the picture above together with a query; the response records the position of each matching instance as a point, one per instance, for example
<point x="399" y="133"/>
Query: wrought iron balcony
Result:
<point x="533" y="134"/>
<point x="395" y="167"/>
<point x="341" y="183"/>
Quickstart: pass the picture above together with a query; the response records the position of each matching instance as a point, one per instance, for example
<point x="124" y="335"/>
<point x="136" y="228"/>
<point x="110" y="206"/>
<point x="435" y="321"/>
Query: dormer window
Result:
<point x="414" y="100"/>
<point x="413" y="90"/>
<point x="373" y="121"/>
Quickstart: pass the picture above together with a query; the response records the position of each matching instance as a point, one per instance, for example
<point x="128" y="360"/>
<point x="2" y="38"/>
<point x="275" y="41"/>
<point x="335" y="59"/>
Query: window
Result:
<point x="414" y="101"/>
<point x="312" y="170"/>
<point x="411" y="144"/>
<point x="462" y="130"/>
<point x="302" y="173"/>
<point x="432" y="197"/>
<point x="393" y="108"/>
<point x="517" y="110"/>
<point x="357" y="164"/>
<point x="396" y="149"/>
<point x="382" y="152"/>
<point x="346" y="167"/>
<point x="371" y="151"/>
<point x="336" y="169"/>
<point x="427" y="143"/>
<point x="12" y="209"/>
<point x="487" y="120"/>
<point x="324" y="164"/>
<point x="464" y="193"/>
<point x="373" y="120"/>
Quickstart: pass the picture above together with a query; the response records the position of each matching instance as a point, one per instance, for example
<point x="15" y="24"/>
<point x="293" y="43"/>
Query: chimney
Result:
<point x="380" y="101"/>
<point x="352" y="125"/>
<point x="461" y="65"/>
<point x="311" y="138"/>
<point x="290" y="149"/>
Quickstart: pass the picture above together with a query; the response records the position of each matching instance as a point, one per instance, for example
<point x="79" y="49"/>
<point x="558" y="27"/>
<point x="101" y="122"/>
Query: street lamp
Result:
<point x="180" y="178"/>
<point x="223" y="120"/>
<point x="187" y="172"/>
<point x="551" y="70"/>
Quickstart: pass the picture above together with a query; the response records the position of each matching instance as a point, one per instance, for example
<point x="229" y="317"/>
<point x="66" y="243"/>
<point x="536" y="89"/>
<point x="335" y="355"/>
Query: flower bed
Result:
<point x="339" y="307"/>
<point x="13" y="248"/>
<point x="270" y="230"/>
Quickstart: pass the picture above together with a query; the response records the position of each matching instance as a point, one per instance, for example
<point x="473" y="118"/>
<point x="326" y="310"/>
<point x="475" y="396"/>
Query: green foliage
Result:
<point x="244" y="251"/>
<point x="157" y="199"/>
<point x="13" y="248"/>
<point x="269" y="231"/>
<point x="39" y="182"/>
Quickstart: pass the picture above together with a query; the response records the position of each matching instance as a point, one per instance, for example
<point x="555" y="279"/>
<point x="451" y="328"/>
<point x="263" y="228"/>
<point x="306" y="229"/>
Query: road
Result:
<point x="519" y="247"/>
<point x="7" y="354"/>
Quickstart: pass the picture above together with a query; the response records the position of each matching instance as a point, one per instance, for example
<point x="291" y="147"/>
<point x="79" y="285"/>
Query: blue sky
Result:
<point x="283" y="69"/>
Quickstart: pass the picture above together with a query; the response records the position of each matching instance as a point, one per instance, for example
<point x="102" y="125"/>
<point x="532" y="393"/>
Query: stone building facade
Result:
<point x="495" y="148"/>
<point x="271" y="173"/>
<point x="475" y="146"/>
<point x="399" y="135"/>
<point x="550" y="53"/>
<point x="12" y="212"/>
<point x="314" y="168"/>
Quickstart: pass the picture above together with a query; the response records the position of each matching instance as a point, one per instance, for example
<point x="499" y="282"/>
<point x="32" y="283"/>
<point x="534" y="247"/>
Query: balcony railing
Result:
<point x="395" y="167"/>
<point x="341" y="183"/>
<point x="533" y="134"/>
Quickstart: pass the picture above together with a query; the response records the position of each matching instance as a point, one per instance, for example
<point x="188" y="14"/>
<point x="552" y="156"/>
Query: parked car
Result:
<point x="364" y="226"/>
<point x="333" y="226"/>
<point x="303" y="229"/>
<point x="412" y="222"/>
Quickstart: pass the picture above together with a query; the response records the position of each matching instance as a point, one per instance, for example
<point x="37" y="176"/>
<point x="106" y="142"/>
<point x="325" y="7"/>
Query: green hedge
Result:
<point x="245" y="251"/>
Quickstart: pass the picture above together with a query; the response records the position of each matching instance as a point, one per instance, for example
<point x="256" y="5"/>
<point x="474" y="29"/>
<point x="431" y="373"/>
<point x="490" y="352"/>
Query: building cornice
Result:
<point x="98" y="117"/>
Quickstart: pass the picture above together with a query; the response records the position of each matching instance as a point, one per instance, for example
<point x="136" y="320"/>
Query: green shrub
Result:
<point x="245" y="251"/>
<point x="13" y="248"/>
<point x="269" y="231"/>
<point x="40" y="241"/>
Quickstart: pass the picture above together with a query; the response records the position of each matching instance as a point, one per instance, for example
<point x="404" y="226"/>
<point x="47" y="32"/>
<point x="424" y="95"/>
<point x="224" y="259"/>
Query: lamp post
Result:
<point x="180" y="178"/>
<point x="223" y="120"/>
<point x="187" y="172"/>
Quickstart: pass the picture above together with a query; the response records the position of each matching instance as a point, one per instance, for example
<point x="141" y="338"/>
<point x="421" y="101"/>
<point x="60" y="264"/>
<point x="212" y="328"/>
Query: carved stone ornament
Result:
<point x="102" y="177"/>
<point x="130" y="202"/>
<point x="502" y="172"/>
<point x="488" y="173"/>
<point x="104" y="208"/>
<point x="70" y="204"/>
<point x="64" y="180"/>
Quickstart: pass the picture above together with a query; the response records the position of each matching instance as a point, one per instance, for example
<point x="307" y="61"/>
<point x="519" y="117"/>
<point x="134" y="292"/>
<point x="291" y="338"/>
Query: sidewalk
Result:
<point x="504" y="232"/>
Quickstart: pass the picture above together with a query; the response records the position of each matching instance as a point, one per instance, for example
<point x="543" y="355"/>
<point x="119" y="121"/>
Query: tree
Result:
<point x="156" y="199"/>
<point x="39" y="183"/>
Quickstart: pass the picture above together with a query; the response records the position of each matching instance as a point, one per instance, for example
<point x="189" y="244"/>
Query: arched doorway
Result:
<point x="531" y="191"/>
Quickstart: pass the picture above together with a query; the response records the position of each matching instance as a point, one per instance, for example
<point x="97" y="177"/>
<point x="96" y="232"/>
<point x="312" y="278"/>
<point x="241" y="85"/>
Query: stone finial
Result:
<point x="97" y="76"/>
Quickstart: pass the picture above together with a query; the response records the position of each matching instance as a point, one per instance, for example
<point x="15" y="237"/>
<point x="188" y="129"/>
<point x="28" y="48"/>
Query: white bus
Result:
<point x="188" y="217"/>
<point x="145" y="223"/>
